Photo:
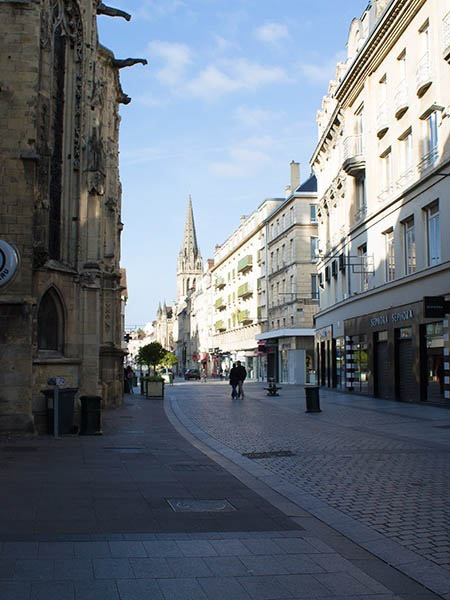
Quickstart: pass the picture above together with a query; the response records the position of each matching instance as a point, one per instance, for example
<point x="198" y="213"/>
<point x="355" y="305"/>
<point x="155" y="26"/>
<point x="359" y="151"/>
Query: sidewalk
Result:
<point x="89" y="518"/>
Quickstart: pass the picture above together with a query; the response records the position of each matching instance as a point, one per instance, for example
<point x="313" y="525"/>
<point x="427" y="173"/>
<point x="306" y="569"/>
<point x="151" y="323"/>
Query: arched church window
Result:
<point x="51" y="323"/>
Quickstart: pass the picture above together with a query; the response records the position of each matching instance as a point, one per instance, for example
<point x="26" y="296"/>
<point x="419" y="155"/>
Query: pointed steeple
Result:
<point x="189" y="247"/>
<point x="190" y="264"/>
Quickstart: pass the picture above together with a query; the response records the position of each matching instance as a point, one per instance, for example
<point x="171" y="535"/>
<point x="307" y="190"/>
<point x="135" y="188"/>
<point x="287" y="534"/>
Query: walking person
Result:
<point x="234" y="380"/>
<point x="130" y="378"/>
<point x="241" y="374"/>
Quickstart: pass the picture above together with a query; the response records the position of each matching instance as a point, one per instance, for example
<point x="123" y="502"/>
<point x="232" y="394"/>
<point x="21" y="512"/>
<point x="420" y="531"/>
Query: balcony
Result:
<point x="385" y="194"/>
<point x="220" y="304"/>
<point x="220" y="326"/>
<point x="243" y="317"/>
<point x="220" y="283"/>
<point x="245" y="264"/>
<point x="428" y="159"/>
<point x="405" y="178"/>
<point x="382" y="120"/>
<point x="401" y="103"/>
<point x="244" y="291"/>
<point x="424" y="75"/>
<point x="354" y="159"/>
<point x="446" y="37"/>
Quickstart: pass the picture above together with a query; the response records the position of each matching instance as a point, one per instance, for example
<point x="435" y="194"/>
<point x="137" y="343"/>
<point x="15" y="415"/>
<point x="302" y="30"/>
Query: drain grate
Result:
<point x="193" y="468"/>
<point x="190" y="505"/>
<point x="269" y="454"/>
<point x="20" y="448"/>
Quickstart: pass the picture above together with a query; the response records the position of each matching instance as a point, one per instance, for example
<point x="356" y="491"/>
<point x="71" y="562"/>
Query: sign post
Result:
<point x="56" y="381"/>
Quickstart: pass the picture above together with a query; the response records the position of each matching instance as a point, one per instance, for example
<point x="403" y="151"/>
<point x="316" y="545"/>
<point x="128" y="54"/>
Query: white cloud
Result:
<point x="255" y="117"/>
<point x="272" y="33"/>
<point x="321" y="72"/>
<point x="151" y="10"/>
<point x="176" y="58"/>
<point x="233" y="75"/>
<point x="245" y="158"/>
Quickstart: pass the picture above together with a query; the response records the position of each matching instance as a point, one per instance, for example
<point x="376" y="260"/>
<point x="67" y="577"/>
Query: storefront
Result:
<point x="288" y="358"/>
<point x="398" y="354"/>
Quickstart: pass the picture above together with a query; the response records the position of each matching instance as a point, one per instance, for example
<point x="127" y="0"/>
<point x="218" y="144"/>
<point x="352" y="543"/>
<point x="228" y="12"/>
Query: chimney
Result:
<point x="295" y="175"/>
<point x="210" y="263"/>
<point x="288" y="191"/>
<point x="243" y="218"/>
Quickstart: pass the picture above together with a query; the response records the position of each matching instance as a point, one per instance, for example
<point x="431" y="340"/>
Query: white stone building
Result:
<point x="382" y="164"/>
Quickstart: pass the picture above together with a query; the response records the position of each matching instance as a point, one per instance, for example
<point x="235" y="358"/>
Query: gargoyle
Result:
<point x="120" y="63"/>
<point x="102" y="9"/>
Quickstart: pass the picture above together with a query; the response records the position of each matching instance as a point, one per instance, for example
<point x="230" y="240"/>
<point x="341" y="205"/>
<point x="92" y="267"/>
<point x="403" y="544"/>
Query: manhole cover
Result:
<point x="127" y="450"/>
<point x="19" y="448"/>
<point x="195" y="468"/>
<point x="269" y="454"/>
<point x="190" y="505"/>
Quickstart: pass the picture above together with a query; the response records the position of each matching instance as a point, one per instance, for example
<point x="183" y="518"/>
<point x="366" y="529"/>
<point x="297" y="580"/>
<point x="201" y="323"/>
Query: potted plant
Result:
<point x="151" y="355"/>
<point x="168" y="361"/>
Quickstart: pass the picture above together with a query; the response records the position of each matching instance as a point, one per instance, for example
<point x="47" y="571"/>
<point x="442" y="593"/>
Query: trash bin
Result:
<point x="91" y="415"/>
<point x="312" y="398"/>
<point x="65" y="409"/>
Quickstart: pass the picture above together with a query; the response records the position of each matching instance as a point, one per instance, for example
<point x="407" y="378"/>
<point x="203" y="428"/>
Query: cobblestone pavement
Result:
<point x="385" y="464"/>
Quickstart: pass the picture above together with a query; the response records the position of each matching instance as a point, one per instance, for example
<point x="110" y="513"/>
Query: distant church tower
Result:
<point x="190" y="264"/>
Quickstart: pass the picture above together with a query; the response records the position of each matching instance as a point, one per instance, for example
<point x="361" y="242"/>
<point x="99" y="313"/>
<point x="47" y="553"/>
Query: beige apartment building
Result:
<point x="237" y="272"/>
<point x="383" y="170"/>
<point x="288" y="287"/>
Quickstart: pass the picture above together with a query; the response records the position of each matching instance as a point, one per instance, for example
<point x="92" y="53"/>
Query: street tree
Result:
<point x="151" y="355"/>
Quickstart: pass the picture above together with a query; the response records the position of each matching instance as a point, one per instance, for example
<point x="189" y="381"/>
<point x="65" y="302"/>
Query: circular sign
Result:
<point x="9" y="261"/>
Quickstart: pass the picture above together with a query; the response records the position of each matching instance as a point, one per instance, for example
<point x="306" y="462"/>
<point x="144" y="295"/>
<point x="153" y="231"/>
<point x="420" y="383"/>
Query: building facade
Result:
<point x="60" y="198"/>
<point x="382" y="166"/>
<point x="237" y="273"/>
<point x="288" y="290"/>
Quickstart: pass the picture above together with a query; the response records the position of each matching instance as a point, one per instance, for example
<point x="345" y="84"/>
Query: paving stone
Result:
<point x="139" y="589"/>
<point x="342" y="583"/>
<point x="150" y="567"/>
<point x="188" y="566"/>
<point x="230" y="547"/>
<point x="295" y="546"/>
<point x="127" y="549"/>
<point x="15" y="591"/>
<point x="52" y="591"/>
<point x="75" y="569"/>
<point x="7" y="568"/>
<point x="300" y="563"/>
<point x="19" y="550"/>
<point x="263" y="565"/>
<point x="265" y="546"/>
<point x="302" y="585"/>
<point x="112" y="568"/>
<point x="223" y="588"/>
<point x="33" y="570"/>
<point x="226" y="566"/>
<point x="96" y="590"/>
<point x="56" y="550"/>
<point x="265" y="588"/>
<point x="91" y="550"/>
<point x="162" y="548"/>
<point x="196" y="548"/>
<point x="182" y="589"/>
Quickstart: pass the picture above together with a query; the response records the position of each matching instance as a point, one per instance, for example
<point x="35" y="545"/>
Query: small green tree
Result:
<point x="169" y="360"/>
<point x="151" y="355"/>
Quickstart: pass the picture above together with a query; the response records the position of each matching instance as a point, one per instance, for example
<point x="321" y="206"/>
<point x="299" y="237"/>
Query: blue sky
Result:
<point x="227" y="100"/>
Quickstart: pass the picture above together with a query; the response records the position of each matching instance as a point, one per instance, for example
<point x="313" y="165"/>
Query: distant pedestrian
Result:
<point x="130" y="378"/>
<point x="234" y="380"/>
<point x="126" y="385"/>
<point x="241" y="374"/>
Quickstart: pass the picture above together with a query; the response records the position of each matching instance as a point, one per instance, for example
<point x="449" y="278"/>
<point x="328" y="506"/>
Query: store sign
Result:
<point x="9" y="261"/>
<point x="397" y="317"/>
<point x="434" y="307"/>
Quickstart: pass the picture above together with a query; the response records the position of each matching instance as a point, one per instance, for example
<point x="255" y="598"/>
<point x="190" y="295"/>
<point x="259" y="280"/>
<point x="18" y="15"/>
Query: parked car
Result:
<point x="192" y="374"/>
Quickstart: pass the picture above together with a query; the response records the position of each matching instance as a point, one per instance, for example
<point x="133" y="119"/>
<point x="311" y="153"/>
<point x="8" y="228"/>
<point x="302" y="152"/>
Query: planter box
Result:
<point x="154" y="389"/>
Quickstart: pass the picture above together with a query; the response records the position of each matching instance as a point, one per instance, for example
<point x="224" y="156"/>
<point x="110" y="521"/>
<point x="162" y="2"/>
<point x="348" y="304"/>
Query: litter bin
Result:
<point x="65" y="409"/>
<point x="91" y="415"/>
<point x="312" y="398"/>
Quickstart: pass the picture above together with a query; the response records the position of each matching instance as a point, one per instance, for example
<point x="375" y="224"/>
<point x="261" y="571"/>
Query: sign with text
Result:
<point x="434" y="307"/>
<point x="9" y="261"/>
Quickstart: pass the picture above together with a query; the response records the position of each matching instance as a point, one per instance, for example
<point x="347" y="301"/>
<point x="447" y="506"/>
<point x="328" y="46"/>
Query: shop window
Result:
<point x="360" y="359"/>
<point x="433" y="234"/>
<point x="340" y="363"/>
<point x="382" y="336"/>
<point x="410" y="245"/>
<point x="51" y="323"/>
<point x="405" y="333"/>
<point x="434" y="338"/>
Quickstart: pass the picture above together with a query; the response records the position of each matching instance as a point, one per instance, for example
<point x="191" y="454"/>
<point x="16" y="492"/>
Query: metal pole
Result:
<point x="56" y="413"/>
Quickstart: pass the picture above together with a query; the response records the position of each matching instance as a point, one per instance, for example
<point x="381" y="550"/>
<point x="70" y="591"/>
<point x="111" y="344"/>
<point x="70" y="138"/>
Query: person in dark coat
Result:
<point x="234" y="380"/>
<point x="242" y="374"/>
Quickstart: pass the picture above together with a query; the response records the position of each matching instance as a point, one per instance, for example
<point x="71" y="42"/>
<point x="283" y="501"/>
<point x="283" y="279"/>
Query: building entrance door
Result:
<point x="405" y="384"/>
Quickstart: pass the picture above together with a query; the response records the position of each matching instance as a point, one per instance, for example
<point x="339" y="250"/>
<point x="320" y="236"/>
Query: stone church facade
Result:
<point x="60" y="206"/>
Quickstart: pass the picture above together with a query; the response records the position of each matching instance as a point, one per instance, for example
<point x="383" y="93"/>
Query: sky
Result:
<point x="227" y="100"/>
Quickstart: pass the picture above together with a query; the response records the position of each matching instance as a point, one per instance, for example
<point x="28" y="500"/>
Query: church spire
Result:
<point x="190" y="248"/>
<point x="190" y="264"/>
